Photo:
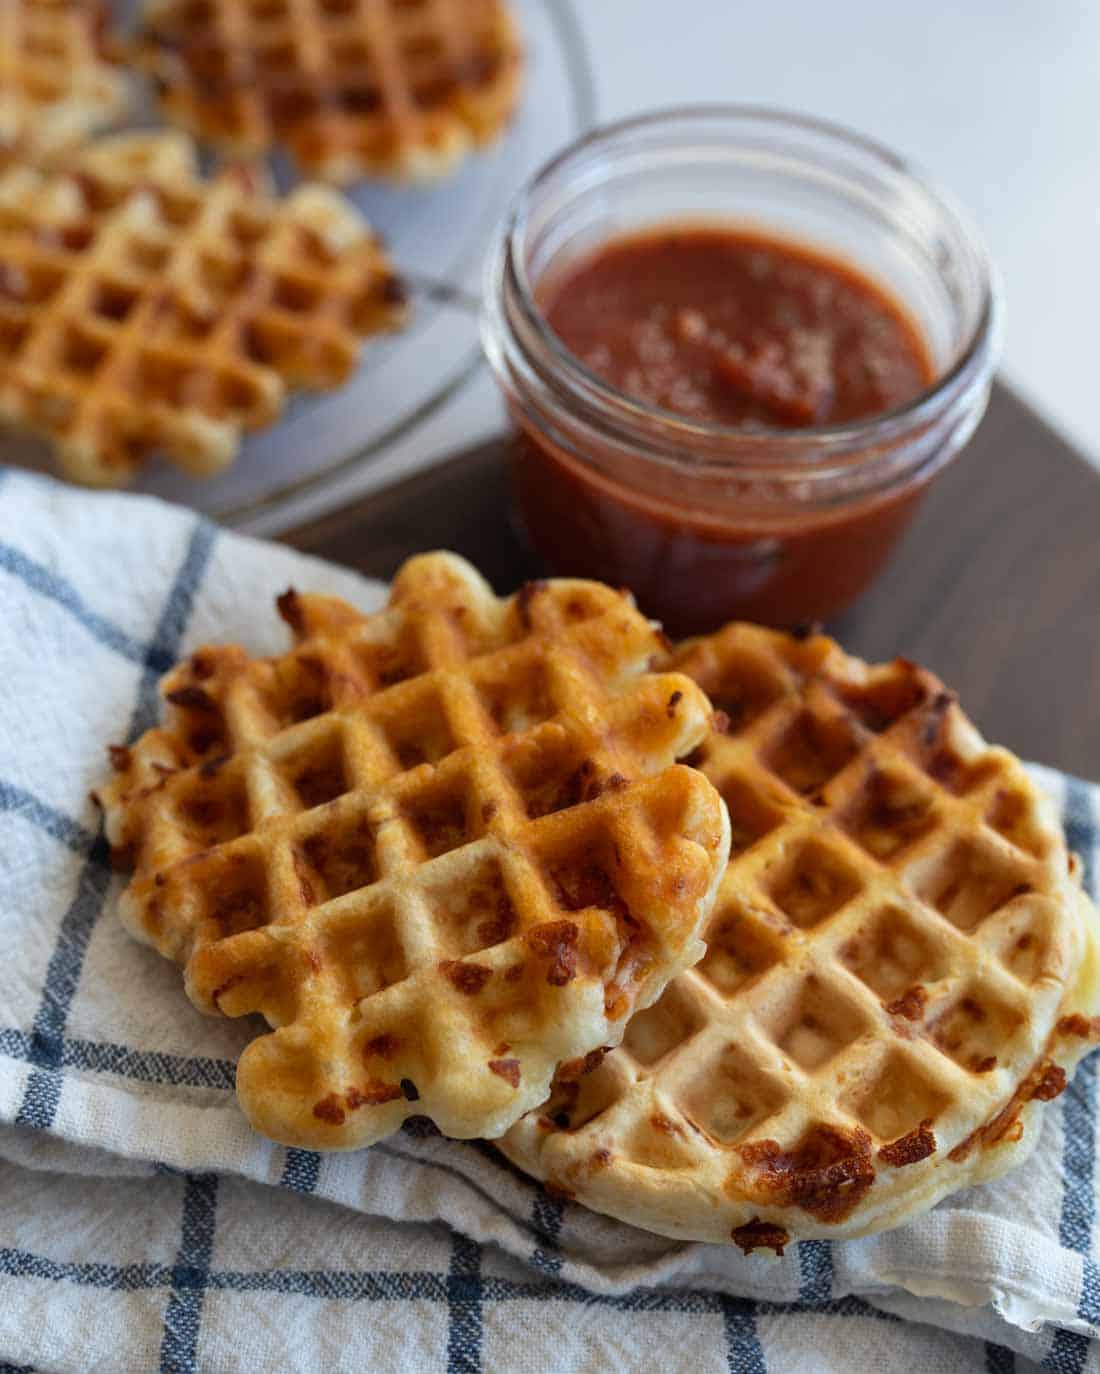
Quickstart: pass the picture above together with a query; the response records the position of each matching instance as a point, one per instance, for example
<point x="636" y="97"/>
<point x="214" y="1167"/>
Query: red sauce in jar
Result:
<point x="736" y="329"/>
<point x="727" y="327"/>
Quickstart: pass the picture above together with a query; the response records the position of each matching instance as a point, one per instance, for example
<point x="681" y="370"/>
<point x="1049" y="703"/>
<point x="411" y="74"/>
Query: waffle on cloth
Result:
<point x="56" y="85"/>
<point x="901" y="966"/>
<point x="442" y="848"/>
<point x="146" y="311"/>
<point x="399" y="89"/>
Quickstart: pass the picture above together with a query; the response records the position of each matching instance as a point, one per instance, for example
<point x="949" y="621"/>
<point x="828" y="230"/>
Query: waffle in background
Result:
<point x="146" y="311"/>
<point x="56" y="86"/>
<point x="399" y="89"/>
<point x="901" y="966"/>
<point x="442" y="848"/>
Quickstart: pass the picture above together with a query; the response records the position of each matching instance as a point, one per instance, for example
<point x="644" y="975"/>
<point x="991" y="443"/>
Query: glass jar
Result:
<point x="707" y="522"/>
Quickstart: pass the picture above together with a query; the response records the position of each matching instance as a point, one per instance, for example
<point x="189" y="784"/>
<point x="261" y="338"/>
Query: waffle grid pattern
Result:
<point x="886" y="960"/>
<point x="144" y="310"/>
<point x="352" y="88"/>
<point x="443" y="847"/>
<point x="56" y="87"/>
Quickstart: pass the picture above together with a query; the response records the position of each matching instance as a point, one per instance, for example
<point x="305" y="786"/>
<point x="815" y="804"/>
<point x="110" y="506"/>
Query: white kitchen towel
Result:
<point x="133" y="1230"/>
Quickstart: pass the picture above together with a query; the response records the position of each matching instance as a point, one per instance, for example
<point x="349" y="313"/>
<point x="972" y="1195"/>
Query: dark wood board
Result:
<point x="996" y="587"/>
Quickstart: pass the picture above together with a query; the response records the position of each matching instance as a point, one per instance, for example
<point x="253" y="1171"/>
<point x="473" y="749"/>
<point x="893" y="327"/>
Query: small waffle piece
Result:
<point x="442" y="848"/>
<point x="399" y="89"/>
<point x="56" y="87"/>
<point x="900" y="966"/>
<point x="144" y="310"/>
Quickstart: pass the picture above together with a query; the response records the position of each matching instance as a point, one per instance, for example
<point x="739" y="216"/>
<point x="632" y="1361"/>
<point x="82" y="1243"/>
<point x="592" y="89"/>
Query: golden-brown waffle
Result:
<point x="146" y="311"/>
<point x="900" y="962"/>
<point x="351" y="88"/>
<point x="56" y="86"/>
<point x="442" y="848"/>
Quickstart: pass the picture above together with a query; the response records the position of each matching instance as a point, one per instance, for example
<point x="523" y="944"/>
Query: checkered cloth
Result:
<point x="143" y="1226"/>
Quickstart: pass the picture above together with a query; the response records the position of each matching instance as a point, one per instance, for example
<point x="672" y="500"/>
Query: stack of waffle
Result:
<point x="448" y="852"/>
<point x="443" y="849"/>
<point x="146" y="311"/>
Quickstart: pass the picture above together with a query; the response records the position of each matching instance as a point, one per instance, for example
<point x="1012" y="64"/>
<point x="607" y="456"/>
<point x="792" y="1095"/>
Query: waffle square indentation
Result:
<point x="213" y="808"/>
<point x="976" y="1029"/>
<point x="203" y="723"/>
<point x="813" y="884"/>
<point x="146" y="257"/>
<point x="349" y="51"/>
<point x="300" y="691"/>
<point x="296" y="294"/>
<point x="81" y="351"/>
<point x="655" y="1032"/>
<point x="551" y="775"/>
<point x="968" y="882"/>
<point x="730" y="1096"/>
<point x="891" y="812"/>
<point x="388" y="663"/>
<point x="894" y="1098"/>
<point x="441" y="818"/>
<point x="233" y="887"/>
<point x="575" y="1101"/>
<point x="813" y="1023"/>
<point x="891" y="954"/>
<point x="474" y="915"/>
<point x="883" y="701"/>
<point x="746" y="695"/>
<point x="316" y="772"/>
<point x="341" y="859"/>
<point x="751" y="815"/>
<point x="740" y="946"/>
<point x="811" y="750"/>
<point x="418" y="733"/>
<point x="113" y="301"/>
<point x="942" y="762"/>
<point x="365" y="951"/>
<point x="519" y="699"/>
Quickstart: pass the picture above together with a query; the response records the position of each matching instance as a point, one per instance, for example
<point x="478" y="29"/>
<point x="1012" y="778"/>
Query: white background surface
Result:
<point x="999" y="99"/>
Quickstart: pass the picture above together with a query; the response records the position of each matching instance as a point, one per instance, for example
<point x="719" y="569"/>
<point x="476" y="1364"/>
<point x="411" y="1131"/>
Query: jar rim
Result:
<point x="795" y="446"/>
